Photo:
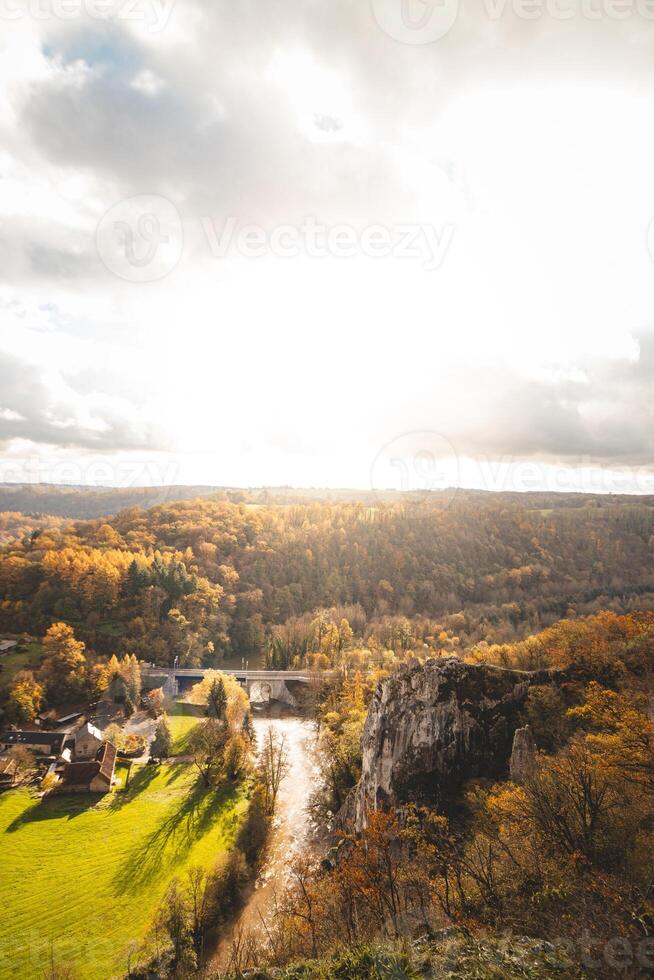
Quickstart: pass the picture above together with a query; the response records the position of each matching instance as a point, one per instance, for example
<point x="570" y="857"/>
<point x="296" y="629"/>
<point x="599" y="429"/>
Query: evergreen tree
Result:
<point x="248" y="727"/>
<point x="163" y="740"/>
<point x="217" y="700"/>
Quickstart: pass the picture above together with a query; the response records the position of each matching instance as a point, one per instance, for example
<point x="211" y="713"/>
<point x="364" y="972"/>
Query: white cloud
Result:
<point x="531" y="139"/>
<point x="149" y="83"/>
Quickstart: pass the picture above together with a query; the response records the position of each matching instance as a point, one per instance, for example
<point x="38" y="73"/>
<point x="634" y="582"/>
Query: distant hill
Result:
<point x="87" y="503"/>
<point x="81" y="503"/>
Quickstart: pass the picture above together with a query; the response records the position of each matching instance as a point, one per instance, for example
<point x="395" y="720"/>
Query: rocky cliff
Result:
<point x="431" y="727"/>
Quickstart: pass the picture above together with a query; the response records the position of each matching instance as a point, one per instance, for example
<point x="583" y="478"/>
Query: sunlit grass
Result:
<point x="122" y="775"/>
<point x="83" y="875"/>
<point x="183" y="718"/>
<point x="23" y="659"/>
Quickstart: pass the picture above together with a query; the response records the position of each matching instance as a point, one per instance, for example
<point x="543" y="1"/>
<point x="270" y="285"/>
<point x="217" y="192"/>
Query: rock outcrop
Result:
<point x="431" y="727"/>
<point x="523" y="755"/>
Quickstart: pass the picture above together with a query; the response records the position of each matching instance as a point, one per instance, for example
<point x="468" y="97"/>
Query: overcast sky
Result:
<point x="318" y="242"/>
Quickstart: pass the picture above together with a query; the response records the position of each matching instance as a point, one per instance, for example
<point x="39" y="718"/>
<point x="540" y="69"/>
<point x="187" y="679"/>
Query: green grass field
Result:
<point x="23" y="659"/>
<point x="81" y="876"/>
<point x="183" y="718"/>
<point x="122" y="773"/>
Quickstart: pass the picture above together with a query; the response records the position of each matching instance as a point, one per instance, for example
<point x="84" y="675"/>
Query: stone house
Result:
<point x="87" y="741"/>
<point x="41" y="743"/>
<point x="96" y="776"/>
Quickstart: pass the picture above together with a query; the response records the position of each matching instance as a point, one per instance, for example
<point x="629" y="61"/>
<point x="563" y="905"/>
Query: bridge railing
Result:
<point x="263" y="675"/>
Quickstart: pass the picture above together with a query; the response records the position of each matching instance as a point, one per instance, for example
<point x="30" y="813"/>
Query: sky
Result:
<point x="374" y="243"/>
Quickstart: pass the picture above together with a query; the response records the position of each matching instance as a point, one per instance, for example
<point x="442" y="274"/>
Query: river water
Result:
<point x="292" y="831"/>
<point x="256" y="661"/>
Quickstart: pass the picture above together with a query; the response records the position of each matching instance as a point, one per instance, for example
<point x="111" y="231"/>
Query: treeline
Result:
<point x="206" y="579"/>
<point x="83" y="502"/>
<point x="79" y="503"/>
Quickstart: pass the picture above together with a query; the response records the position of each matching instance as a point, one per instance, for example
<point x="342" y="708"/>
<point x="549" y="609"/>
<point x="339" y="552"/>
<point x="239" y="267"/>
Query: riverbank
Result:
<point x="454" y="954"/>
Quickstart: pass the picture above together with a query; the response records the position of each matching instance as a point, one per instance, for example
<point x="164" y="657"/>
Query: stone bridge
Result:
<point x="261" y="685"/>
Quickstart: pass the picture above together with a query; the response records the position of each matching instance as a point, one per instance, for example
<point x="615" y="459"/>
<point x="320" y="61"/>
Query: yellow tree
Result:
<point x="238" y="705"/>
<point x="65" y="664"/>
<point x="620" y="733"/>
<point x="25" y="697"/>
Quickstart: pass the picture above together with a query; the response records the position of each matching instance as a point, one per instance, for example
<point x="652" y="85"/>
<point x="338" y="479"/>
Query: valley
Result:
<point x="335" y="724"/>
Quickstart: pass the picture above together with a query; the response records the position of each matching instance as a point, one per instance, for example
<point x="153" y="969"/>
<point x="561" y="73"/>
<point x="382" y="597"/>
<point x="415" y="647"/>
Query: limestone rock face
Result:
<point x="523" y="755"/>
<point x="432" y="727"/>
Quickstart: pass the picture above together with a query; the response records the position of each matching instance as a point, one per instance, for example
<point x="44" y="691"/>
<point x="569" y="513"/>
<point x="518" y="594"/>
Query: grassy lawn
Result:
<point x="183" y="718"/>
<point x="23" y="659"/>
<point x="122" y="773"/>
<point x="83" y="875"/>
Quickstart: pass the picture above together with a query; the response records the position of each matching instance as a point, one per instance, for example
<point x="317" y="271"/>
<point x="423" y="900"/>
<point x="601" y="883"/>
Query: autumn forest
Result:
<point x="206" y="580"/>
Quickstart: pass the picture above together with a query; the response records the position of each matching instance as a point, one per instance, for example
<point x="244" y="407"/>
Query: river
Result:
<point x="292" y="830"/>
<point x="256" y="661"/>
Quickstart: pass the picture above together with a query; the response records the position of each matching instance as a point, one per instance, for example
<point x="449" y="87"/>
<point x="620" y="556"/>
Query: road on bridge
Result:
<point x="305" y="676"/>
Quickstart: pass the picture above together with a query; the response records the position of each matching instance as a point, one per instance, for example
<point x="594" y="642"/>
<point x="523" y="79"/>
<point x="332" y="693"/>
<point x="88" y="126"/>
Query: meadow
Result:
<point x="24" y="658"/>
<point x="83" y="876"/>
<point x="183" y="718"/>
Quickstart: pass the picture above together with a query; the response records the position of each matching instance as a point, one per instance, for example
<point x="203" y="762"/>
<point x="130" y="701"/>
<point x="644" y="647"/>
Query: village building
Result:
<point x="6" y="646"/>
<point x="96" y="776"/>
<point x="87" y="741"/>
<point x="8" y="773"/>
<point x="39" y="742"/>
<point x="61" y="719"/>
<point x="70" y="721"/>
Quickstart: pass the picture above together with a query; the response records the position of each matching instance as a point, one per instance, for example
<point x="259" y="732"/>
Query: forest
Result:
<point x="322" y="584"/>
<point x="204" y="580"/>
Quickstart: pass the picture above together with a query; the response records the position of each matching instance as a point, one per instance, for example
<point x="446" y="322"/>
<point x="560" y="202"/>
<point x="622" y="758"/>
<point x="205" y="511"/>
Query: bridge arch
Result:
<point x="260" y="692"/>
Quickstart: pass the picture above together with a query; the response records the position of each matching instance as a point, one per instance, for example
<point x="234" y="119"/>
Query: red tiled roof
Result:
<point x="80" y="773"/>
<point x="107" y="758"/>
<point x="83" y="773"/>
